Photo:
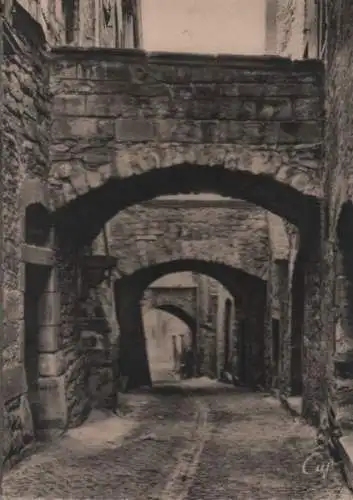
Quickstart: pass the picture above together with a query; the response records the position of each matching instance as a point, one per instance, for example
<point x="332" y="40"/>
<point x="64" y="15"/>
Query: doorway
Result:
<point x="34" y="308"/>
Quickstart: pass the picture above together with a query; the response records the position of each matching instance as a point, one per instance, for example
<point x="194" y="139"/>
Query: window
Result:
<point x="69" y="13"/>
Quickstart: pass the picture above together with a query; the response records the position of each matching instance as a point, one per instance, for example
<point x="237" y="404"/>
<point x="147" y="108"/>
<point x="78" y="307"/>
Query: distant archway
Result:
<point x="181" y="314"/>
<point x="249" y="290"/>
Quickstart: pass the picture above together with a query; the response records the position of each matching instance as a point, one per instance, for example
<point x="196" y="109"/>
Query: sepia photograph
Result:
<point x="176" y="249"/>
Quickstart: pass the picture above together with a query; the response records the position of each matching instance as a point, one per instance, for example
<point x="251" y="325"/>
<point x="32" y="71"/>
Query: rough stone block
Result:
<point x="69" y="105"/>
<point x="52" y="364"/>
<point x="275" y="109"/>
<point x="22" y="277"/>
<point x="309" y="132"/>
<point x="108" y="105"/>
<point x="134" y="130"/>
<point x="37" y="255"/>
<point x="253" y="133"/>
<point x="49" y="339"/>
<point x="12" y="332"/>
<point x="229" y="109"/>
<point x="26" y="420"/>
<point x="65" y="69"/>
<point x="66" y="128"/>
<point x="229" y="131"/>
<point x="53" y="403"/>
<point x="308" y="109"/>
<point x="13" y="305"/>
<point x="100" y="387"/>
<point x="14" y="382"/>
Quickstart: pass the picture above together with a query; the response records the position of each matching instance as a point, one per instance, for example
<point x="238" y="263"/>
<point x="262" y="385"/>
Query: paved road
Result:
<point x="196" y="440"/>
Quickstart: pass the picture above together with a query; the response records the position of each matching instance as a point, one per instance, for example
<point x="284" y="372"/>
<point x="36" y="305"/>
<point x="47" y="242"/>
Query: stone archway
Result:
<point x="80" y="217"/>
<point x="129" y="291"/>
<point x="178" y="312"/>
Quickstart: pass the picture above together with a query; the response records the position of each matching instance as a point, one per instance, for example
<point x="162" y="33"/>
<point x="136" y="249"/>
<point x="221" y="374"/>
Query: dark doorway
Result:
<point x="38" y="225"/>
<point x="275" y="349"/>
<point x="227" y="332"/>
<point x="298" y="292"/>
<point x="36" y="280"/>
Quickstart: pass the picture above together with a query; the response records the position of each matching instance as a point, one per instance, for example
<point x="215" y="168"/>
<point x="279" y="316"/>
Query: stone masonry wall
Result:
<point x="25" y="123"/>
<point x="117" y="114"/>
<point x="232" y="233"/>
<point x="182" y="298"/>
<point x="339" y="182"/>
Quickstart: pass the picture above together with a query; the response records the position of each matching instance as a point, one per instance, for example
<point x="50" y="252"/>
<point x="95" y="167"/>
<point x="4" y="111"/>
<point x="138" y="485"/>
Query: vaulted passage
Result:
<point x="134" y="127"/>
<point x="249" y="293"/>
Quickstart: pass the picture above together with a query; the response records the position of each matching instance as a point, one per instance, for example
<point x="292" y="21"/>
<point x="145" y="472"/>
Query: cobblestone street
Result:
<point x="191" y="440"/>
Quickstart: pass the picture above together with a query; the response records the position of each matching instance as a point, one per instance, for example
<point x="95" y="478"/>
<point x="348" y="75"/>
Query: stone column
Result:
<point x="133" y="352"/>
<point x="52" y="361"/>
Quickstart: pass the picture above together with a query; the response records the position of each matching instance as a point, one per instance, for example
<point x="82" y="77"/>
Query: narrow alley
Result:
<point x="196" y="439"/>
